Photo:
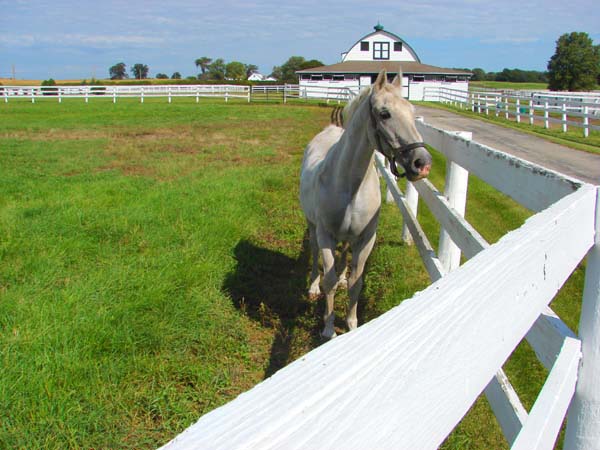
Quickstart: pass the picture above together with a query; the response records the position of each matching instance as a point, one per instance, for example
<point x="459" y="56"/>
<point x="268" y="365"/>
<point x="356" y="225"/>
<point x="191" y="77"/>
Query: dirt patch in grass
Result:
<point x="135" y="152"/>
<point x="54" y="134"/>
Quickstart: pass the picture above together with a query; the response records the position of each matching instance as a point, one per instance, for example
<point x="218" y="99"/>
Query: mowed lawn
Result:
<point x="154" y="264"/>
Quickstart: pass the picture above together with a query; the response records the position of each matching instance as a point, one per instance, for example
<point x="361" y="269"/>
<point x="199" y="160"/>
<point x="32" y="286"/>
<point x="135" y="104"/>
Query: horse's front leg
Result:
<point x="327" y="245"/>
<point x="361" y="250"/>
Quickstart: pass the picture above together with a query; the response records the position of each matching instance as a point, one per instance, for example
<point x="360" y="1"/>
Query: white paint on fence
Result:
<point x="405" y="380"/>
<point x="226" y="91"/>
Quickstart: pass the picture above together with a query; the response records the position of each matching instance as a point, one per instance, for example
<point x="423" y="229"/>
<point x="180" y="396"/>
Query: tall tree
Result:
<point x="216" y="70"/>
<point x="203" y="63"/>
<point x="140" y="71"/>
<point x="286" y="73"/>
<point x="118" y="71"/>
<point x="235" y="70"/>
<point x="575" y="65"/>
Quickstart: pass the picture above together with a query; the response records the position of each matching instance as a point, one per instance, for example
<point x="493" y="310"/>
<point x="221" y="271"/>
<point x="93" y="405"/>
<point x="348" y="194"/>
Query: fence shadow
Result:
<point x="271" y="288"/>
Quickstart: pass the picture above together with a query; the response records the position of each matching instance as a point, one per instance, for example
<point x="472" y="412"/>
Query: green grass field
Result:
<point x="153" y="265"/>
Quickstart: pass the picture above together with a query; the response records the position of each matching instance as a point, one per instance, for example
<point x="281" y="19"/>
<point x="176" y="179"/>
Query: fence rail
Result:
<point x="579" y="110"/>
<point x="405" y="379"/>
<point x="226" y="91"/>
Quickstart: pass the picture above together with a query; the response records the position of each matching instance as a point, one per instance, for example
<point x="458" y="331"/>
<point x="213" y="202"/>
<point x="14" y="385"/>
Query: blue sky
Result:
<point x="81" y="39"/>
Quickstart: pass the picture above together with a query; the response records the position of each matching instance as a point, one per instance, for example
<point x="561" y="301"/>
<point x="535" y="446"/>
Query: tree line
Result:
<point x="575" y="66"/>
<point x="510" y="75"/>
<point x="219" y="70"/>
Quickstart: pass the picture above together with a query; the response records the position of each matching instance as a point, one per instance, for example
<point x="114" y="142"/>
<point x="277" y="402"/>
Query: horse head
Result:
<point x="393" y="131"/>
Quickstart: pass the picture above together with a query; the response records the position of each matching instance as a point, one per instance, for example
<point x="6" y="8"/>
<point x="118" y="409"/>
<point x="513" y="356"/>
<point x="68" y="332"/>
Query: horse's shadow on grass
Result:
<point x="271" y="288"/>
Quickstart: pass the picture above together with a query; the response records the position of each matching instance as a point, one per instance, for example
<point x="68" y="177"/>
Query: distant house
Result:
<point x="255" y="76"/>
<point x="383" y="50"/>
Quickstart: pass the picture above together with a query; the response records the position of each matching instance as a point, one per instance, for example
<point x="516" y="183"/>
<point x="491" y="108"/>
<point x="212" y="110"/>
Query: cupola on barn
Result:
<point x="383" y="50"/>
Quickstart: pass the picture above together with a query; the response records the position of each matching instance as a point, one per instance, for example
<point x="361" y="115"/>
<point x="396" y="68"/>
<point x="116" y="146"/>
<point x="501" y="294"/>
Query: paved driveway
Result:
<point x="578" y="164"/>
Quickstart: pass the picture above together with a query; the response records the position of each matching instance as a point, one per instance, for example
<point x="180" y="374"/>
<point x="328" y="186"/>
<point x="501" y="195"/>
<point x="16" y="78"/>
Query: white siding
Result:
<point x="355" y="53"/>
<point x="412" y="90"/>
<point x="416" y="89"/>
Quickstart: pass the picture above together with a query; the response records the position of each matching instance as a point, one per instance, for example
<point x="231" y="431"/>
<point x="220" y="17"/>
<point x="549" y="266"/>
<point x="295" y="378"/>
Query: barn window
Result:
<point x="418" y="78"/>
<point x="338" y="78"/>
<point x="397" y="46"/>
<point x="364" y="46"/>
<point x="381" y="50"/>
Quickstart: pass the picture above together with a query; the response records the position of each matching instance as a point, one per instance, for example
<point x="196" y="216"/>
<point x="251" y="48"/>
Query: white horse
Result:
<point x="339" y="188"/>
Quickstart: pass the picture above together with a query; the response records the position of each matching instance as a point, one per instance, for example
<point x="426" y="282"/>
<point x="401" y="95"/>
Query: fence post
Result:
<point x="455" y="190"/>
<point x="169" y="92"/>
<point x="32" y="95"/>
<point x="564" y="117"/>
<point x="546" y="124"/>
<point x="86" y="96"/>
<point x="586" y="121"/>
<point x="583" y="424"/>
<point x="197" y="94"/>
<point x="531" y="112"/>
<point x="518" y="107"/>
<point x="506" y="106"/>
<point x="142" y="95"/>
<point x="59" y="95"/>
<point x="412" y="199"/>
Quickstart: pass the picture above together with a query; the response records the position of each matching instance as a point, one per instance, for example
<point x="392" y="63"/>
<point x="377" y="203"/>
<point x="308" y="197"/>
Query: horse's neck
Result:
<point x="354" y="154"/>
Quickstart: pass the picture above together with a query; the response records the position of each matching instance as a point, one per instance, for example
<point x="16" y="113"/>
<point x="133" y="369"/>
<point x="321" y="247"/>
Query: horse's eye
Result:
<point x="385" y="114"/>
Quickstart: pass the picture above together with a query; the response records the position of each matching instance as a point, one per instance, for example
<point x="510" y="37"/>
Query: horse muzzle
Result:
<point x="414" y="159"/>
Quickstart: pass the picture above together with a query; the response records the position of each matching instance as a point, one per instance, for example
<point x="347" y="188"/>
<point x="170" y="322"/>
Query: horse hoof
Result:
<point x="328" y="334"/>
<point x="352" y="324"/>
<point x="314" y="294"/>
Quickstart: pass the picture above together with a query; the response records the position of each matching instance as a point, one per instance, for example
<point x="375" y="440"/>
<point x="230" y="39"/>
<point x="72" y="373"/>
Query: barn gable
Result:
<point x="380" y="45"/>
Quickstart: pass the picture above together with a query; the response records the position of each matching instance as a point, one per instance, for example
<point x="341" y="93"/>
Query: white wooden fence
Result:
<point x="225" y="91"/>
<point x="405" y="379"/>
<point x="567" y="109"/>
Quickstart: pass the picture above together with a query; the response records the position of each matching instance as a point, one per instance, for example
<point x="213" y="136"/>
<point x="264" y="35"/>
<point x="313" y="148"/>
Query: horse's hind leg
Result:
<point x="327" y="245"/>
<point x="314" y="290"/>
<point x="360" y="253"/>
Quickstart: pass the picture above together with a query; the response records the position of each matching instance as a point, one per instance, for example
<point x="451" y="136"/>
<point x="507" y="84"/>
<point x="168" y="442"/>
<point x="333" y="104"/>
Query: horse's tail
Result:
<point x="337" y="117"/>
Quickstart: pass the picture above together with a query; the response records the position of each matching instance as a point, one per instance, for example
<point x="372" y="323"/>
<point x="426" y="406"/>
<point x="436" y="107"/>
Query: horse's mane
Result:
<point x="351" y="106"/>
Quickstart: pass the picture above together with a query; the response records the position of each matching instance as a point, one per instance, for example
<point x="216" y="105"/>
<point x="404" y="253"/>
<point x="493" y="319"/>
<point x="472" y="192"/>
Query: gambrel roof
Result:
<point x="380" y="32"/>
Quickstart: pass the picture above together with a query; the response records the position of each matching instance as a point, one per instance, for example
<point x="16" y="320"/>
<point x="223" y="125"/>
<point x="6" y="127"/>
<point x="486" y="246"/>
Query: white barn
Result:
<point x="383" y="50"/>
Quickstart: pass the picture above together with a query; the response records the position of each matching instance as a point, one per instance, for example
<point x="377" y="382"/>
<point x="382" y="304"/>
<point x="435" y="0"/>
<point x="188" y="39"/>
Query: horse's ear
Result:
<point x="381" y="80"/>
<point x="398" y="80"/>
